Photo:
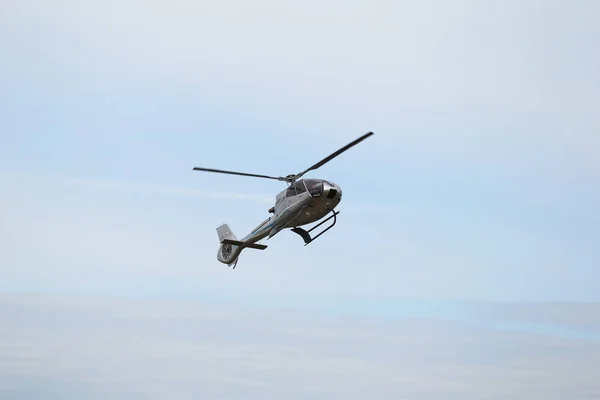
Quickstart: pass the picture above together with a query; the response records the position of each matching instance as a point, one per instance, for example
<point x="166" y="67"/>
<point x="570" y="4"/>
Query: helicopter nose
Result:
<point x="333" y="191"/>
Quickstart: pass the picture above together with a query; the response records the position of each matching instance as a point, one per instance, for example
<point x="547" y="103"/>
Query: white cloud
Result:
<point x="117" y="348"/>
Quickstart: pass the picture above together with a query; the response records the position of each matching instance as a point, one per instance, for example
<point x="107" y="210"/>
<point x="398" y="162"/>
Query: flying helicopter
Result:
<point x="305" y="201"/>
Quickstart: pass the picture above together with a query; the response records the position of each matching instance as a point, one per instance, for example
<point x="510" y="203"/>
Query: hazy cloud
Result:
<point x="73" y="347"/>
<point x="580" y="318"/>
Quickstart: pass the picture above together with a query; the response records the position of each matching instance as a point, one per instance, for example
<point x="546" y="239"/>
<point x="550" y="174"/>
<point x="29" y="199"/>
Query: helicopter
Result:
<point x="305" y="201"/>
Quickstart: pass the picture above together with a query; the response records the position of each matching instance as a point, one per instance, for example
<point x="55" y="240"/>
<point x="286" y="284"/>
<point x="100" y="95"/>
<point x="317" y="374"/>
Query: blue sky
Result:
<point x="479" y="182"/>
<point x="480" y="185"/>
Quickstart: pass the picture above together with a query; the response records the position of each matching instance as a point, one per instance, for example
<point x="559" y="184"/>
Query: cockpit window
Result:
<point x="297" y="188"/>
<point x="300" y="188"/>
<point x="314" y="186"/>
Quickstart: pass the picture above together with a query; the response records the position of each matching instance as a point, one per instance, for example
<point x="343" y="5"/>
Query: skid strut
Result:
<point x="306" y="234"/>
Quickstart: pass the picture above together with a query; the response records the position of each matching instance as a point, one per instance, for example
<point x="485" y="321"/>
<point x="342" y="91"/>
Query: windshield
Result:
<point x="295" y="189"/>
<point x="314" y="186"/>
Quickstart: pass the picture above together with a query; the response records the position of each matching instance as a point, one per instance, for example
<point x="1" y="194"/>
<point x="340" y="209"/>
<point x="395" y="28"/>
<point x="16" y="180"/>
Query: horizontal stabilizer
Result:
<point x="240" y="243"/>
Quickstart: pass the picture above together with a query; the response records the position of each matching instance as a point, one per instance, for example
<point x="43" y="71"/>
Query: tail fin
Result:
<point x="228" y="252"/>
<point x="225" y="232"/>
<point x="231" y="247"/>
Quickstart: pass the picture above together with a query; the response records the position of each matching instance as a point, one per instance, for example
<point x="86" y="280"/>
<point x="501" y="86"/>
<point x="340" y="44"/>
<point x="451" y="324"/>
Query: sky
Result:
<point x="476" y="200"/>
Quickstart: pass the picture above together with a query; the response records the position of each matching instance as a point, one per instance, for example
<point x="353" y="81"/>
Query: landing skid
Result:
<point x="306" y="234"/>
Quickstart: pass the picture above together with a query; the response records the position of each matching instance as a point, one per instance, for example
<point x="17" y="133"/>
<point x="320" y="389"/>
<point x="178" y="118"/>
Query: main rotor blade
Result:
<point x="337" y="153"/>
<point x="238" y="173"/>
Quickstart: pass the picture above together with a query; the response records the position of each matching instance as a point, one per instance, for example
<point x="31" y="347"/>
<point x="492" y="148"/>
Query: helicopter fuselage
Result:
<point x="305" y="201"/>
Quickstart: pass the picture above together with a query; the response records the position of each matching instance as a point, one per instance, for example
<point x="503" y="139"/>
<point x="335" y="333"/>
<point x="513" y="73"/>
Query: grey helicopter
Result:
<point x="305" y="201"/>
